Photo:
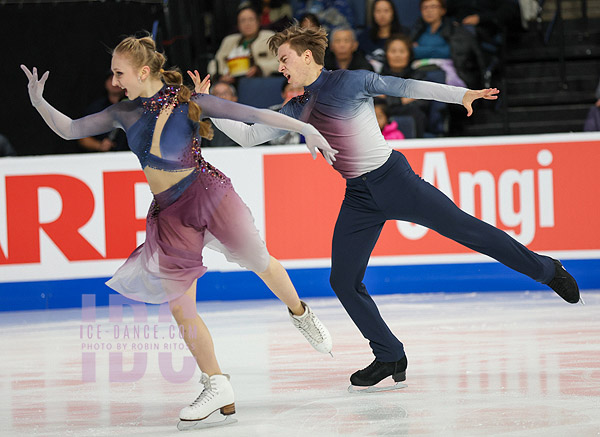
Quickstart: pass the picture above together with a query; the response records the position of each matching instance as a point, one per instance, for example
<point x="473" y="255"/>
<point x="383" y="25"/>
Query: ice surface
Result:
<point x="525" y="364"/>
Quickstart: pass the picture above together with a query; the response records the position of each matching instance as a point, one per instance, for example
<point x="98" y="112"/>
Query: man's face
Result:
<point x="343" y="44"/>
<point x="292" y="65"/>
<point x="223" y="91"/>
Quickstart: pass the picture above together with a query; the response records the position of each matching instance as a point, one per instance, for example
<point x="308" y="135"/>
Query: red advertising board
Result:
<point x="544" y="194"/>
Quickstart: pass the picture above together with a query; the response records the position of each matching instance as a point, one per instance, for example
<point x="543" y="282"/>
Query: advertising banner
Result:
<point x="77" y="217"/>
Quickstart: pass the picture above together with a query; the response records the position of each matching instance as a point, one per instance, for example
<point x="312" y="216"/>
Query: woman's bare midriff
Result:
<point x="161" y="180"/>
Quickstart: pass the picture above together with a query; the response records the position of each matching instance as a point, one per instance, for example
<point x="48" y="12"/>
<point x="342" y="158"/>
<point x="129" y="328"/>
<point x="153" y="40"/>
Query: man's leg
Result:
<point x="420" y="202"/>
<point x="356" y="232"/>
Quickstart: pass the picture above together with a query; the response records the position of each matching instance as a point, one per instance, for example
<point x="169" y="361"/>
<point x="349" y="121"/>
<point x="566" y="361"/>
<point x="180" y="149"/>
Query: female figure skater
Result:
<point x="194" y="204"/>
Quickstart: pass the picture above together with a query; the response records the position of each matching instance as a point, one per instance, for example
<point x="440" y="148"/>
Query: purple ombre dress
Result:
<point x="202" y="209"/>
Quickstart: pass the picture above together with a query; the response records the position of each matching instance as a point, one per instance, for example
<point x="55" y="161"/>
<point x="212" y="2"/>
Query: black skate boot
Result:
<point x="376" y="372"/>
<point x="564" y="284"/>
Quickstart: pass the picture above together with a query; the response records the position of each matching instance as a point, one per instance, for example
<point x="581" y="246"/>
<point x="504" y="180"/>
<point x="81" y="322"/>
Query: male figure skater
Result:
<point x="380" y="185"/>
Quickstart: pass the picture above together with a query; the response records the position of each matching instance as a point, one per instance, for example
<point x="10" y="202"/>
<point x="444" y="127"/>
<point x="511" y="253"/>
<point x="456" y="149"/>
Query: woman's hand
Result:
<point x="314" y="141"/>
<point x="472" y="95"/>
<point x="35" y="85"/>
<point x="201" y="86"/>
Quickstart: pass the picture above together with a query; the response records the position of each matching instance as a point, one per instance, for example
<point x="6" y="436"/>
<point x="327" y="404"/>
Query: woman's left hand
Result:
<point x="472" y="95"/>
<point x="201" y="86"/>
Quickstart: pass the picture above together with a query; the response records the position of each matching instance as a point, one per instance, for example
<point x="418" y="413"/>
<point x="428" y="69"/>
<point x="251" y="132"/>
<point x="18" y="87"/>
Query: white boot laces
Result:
<point x="309" y="327"/>
<point x="207" y="394"/>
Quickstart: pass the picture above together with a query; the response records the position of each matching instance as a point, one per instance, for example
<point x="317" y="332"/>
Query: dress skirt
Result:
<point x="201" y="210"/>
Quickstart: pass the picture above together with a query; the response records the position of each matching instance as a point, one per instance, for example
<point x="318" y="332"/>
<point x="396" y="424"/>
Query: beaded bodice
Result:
<point x="179" y="142"/>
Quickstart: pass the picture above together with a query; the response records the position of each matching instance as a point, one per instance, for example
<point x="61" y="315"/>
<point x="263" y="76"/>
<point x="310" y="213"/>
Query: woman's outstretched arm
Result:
<point x="62" y="125"/>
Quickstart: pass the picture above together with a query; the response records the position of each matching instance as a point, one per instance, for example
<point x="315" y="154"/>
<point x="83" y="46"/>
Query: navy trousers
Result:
<point x="395" y="192"/>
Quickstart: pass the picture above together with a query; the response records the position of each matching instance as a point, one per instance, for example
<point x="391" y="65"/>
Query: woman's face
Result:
<point x="383" y="13"/>
<point x="398" y="55"/>
<point x="126" y="76"/>
<point x="432" y="11"/>
<point x="248" y="24"/>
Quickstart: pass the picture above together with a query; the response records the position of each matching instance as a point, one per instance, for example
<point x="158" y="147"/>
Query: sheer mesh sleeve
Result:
<point x="65" y="127"/>
<point x="245" y="135"/>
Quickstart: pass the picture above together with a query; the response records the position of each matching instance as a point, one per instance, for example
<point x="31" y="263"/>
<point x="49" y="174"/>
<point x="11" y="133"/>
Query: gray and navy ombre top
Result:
<point x="340" y="105"/>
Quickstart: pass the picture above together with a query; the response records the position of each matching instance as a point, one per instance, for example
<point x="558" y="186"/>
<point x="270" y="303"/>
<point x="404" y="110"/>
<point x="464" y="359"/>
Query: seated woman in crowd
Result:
<point x="398" y="57"/>
<point x="342" y="52"/>
<point x="245" y="53"/>
<point x="441" y="44"/>
<point x="372" y="40"/>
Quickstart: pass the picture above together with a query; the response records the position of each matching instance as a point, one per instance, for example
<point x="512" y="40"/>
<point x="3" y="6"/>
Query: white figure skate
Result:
<point x="217" y="394"/>
<point x="313" y="330"/>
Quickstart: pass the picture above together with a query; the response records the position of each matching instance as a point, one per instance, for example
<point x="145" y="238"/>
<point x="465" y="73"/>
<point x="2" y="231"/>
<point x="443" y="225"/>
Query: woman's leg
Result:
<point x="279" y="282"/>
<point x="235" y="235"/>
<point x="196" y="334"/>
<point x="217" y="392"/>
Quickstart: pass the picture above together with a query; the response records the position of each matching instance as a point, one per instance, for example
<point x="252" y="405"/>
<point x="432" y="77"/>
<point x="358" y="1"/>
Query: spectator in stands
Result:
<point x="245" y="53"/>
<point x="488" y="17"/>
<point x="288" y="92"/>
<point x="275" y="15"/>
<point x="440" y="43"/>
<point x="309" y="21"/>
<point x="398" y="55"/>
<point x="331" y="13"/>
<point x="592" y="122"/>
<point x="389" y="129"/>
<point x="115" y="140"/>
<point x="491" y="21"/>
<point x="343" y="54"/>
<point x="225" y="91"/>
<point x="6" y="149"/>
<point x="372" y="40"/>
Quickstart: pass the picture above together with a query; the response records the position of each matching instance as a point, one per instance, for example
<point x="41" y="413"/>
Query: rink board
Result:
<point x="67" y="222"/>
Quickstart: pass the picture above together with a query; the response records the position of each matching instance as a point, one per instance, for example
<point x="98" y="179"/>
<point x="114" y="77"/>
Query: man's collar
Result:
<point x="319" y="81"/>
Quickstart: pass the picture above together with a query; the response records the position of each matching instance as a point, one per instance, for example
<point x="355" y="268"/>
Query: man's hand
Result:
<point x="106" y="144"/>
<point x="254" y="71"/>
<point x="471" y="20"/>
<point x="201" y="86"/>
<point x="472" y="95"/>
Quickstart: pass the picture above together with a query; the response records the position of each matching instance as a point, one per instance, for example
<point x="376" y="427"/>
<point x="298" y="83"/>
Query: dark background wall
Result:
<point x="73" y="40"/>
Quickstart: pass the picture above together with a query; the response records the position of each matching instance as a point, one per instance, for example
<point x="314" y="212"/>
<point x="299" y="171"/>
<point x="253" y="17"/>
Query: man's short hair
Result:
<point x="300" y="40"/>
